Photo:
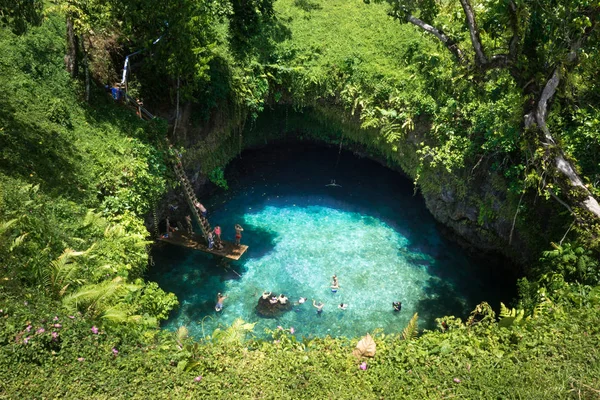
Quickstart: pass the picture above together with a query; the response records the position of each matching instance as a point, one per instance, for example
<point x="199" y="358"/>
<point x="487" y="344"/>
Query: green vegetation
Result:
<point x="77" y="179"/>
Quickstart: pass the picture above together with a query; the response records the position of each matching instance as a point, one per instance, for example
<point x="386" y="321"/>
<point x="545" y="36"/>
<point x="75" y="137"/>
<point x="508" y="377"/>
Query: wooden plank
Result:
<point x="229" y="250"/>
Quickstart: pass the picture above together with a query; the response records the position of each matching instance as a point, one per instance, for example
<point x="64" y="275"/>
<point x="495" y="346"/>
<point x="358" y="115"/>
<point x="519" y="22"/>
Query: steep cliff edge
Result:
<point x="474" y="204"/>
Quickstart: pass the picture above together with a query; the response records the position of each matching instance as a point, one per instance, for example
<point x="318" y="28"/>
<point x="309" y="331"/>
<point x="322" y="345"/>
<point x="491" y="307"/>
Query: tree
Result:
<point x="18" y="14"/>
<point x="185" y="29"/>
<point x="540" y="44"/>
<point x="247" y="20"/>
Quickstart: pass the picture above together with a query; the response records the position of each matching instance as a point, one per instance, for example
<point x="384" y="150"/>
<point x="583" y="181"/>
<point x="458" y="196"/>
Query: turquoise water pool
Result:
<point x="371" y="232"/>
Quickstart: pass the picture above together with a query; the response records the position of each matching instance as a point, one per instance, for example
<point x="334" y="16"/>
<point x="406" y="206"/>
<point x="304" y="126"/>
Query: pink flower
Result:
<point x="363" y="366"/>
<point x="80" y="359"/>
<point x="26" y="340"/>
<point x="456" y="380"/>
<point x="41" y="330"/>
<point x="115" y="351"/>
<point x="56" y="318"/>
<point x="28" y="328"/>
<point x="54" y="335"/>
<point x="279" y="327"/>
<point x="57" y="325"/>
<point x="94" y="330"/>
<point x="198" y="378"/>
<point x="292" y="330"/>
<point x="72" y="316"/>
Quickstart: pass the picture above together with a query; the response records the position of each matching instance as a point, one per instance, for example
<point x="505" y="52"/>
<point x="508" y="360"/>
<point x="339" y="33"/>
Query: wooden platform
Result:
<point x="229" y="250"/>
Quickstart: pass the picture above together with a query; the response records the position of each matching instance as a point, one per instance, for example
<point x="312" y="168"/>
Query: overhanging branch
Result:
<point x="442" y="37"/>
<point x="480" y="58"/>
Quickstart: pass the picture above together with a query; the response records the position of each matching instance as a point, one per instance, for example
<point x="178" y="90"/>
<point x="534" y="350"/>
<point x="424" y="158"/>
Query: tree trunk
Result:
<point x="71" y="62"/>
<point x="564" y="167"/>
<point x="480" y="58"/>
<point x="86" y="69"/>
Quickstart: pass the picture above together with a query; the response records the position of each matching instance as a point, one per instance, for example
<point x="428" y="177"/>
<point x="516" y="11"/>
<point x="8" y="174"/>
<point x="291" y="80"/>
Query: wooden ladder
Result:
<point x="190" y="196"/>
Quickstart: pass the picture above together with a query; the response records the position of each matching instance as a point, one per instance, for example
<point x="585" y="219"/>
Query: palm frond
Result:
<point x="100" y="297"/>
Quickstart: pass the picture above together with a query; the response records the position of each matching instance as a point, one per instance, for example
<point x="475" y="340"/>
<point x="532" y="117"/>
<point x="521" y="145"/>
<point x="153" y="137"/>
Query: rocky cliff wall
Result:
<point x="475" y="205"/>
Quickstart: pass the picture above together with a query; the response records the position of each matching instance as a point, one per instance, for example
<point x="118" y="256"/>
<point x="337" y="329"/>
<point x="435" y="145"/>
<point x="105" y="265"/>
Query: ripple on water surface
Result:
<point x="383" y="248"/>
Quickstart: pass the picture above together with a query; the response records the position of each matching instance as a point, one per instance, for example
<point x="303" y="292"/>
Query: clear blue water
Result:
<point x="373" y="233"/>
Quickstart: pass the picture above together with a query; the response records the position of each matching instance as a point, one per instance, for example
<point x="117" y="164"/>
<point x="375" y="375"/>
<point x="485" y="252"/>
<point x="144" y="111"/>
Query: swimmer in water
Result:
<point x="335" y="284"/>
<point x="301" y="300"/>
<point x="283" y="299"/>
<point x="343" y="306"/>
<point x="266" y="295"/>
<point x="319" y="307"/>
<point x="220" y="299"/>
<point x="333" y="184"/>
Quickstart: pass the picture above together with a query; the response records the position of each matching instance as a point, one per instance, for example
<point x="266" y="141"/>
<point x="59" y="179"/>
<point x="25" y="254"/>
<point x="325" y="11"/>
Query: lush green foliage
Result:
<point x="75" y="183"/>
<point x="78" y="321"/>
<point x="553" y="354"/>
<point x="18" y="14"/>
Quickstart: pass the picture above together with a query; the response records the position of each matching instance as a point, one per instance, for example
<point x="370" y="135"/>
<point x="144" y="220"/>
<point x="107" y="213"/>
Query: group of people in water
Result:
<point x="282" y="299"/>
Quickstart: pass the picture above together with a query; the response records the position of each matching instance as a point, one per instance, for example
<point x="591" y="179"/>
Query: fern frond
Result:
<point x="17" y="242"/>
<point x="391" y="132"/>
<point x="100" y="297"/>
<point x="234" y="333"/>
<point x="506" y="312"/>
<point x="411" y="329"/>
<point x="510" y="316"/>
<point x="115" y="314"/>
<point x="182" y="334"/>
<point x="6" y="225"/>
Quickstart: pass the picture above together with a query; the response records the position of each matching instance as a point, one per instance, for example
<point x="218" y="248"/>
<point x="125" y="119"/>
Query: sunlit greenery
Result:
<point x="77" y="180"/>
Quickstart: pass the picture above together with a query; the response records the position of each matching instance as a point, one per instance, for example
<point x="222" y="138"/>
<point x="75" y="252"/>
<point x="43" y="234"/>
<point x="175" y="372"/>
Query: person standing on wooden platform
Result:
<point x="238" y="234"/>
<point x="188" y="221"/>
<point x="217" y="236"/>
<point x="211" y="241"/>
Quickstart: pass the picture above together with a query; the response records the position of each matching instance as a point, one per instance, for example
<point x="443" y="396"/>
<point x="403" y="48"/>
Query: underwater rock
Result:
<point x="266" y="309"/>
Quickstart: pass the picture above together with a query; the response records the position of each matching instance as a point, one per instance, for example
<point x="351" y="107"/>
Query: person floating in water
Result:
<point x="335" y="284"/>
<point x="333" y="184"/>
<point x="397" y="305"/>
<point x="238" y="234"/>
<point x="266" y="295"/>
<point x="273" y="300"/>
<point x="301" y="300"/>
<point x="343" y="306"/>
<point x="220" y="299"/>
<point x="283" y="299"/>
<point x="318" y="306"/>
